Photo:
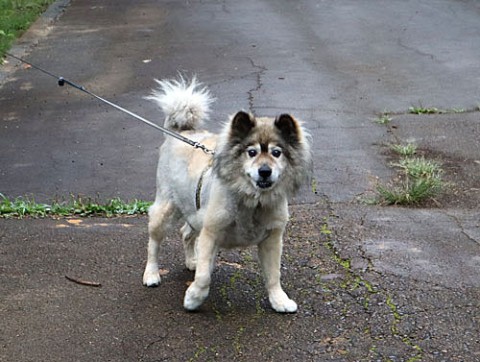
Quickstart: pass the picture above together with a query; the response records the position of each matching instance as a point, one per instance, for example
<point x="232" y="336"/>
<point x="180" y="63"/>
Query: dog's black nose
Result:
<point x="265" y="171"/>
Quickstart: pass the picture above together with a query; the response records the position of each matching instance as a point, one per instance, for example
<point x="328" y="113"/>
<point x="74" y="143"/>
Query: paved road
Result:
<point x="373" y="283"/>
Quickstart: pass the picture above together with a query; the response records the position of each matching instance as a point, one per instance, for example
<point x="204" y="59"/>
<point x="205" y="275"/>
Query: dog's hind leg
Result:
<point x="160" y="217"/>
<point x="270" y="253"/>
<point x="189" y="236"/>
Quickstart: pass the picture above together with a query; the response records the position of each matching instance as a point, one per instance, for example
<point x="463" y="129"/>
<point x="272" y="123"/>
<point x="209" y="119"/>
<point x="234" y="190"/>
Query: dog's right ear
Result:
<point x="241" y="125"/>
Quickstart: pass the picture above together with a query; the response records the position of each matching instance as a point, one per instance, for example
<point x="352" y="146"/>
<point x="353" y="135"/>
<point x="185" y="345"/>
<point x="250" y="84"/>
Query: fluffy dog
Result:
<point x="235" y="198"/>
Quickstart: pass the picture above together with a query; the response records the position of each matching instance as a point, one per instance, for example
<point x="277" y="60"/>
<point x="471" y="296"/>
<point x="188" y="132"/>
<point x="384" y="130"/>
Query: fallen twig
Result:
<point x="83" y="282"/>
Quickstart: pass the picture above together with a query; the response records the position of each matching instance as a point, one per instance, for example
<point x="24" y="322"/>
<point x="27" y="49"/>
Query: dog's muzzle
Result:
<point x="264" y="181"/>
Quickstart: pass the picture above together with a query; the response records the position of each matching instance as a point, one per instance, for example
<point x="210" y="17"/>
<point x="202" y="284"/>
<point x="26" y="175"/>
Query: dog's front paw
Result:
<point x="194" y="297"/>
<point x="151" y="277"/>
<point x="281" y="303"/>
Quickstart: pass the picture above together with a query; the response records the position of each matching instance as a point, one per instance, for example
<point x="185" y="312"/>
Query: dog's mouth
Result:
<point x="264" y="184"/>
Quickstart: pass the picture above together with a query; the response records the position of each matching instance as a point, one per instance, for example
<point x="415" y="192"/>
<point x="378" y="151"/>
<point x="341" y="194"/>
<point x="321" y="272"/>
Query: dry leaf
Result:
<point x="74" y="221"/>
<point x="163" y="271"/>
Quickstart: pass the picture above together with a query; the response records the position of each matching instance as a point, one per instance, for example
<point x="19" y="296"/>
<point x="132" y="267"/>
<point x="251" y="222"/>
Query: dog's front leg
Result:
<point x="207" y="250"/>
<point x="270" y="253"/>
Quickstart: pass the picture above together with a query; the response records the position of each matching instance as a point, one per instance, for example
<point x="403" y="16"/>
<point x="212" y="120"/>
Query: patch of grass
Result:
<point x="15" y="18"/>
<point x="420" y="180"/>
<point x="409" y="193"/>
<point x="425" y="110"/>
<point x="433" y="110"/>
<point x="404" y="150"/>
<point x="77" y="206"/>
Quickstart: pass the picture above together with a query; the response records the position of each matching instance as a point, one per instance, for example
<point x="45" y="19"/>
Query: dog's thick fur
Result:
<point x="236" y="198"/>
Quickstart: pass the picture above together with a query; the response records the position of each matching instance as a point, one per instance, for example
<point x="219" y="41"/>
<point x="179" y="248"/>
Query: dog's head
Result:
<point x="263" y="152"/>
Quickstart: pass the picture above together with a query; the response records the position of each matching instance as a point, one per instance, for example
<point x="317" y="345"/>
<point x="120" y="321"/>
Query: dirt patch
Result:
<point x="462" y="176"/>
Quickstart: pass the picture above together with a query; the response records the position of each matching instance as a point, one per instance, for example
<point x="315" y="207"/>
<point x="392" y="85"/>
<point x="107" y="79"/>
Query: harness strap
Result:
<point x="198" y="192"/>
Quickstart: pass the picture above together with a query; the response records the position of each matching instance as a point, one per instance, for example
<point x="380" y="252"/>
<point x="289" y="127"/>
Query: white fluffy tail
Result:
<point x="185" y="104"/>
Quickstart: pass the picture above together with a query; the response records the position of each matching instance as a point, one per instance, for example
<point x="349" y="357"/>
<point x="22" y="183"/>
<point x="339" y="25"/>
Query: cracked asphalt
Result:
<point x="373" y="283"/>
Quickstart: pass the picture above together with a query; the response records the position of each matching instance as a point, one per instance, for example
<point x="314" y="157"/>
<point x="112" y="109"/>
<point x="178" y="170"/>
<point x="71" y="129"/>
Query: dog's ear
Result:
<point x="289" y="128"/>
<point x="241" y="125"/>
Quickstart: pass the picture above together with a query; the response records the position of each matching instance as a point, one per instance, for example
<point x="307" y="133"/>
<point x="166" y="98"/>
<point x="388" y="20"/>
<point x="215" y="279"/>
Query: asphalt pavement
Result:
<point x="373" y="282"/>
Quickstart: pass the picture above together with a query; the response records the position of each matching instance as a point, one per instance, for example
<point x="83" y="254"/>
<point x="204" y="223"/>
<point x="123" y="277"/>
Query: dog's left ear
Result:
<point x="241" y="125"/>
<point x="289" y="128"/>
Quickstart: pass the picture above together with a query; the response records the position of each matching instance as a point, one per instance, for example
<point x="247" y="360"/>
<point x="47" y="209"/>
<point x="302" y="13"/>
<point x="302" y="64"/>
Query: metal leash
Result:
<point x="62" y="81"/>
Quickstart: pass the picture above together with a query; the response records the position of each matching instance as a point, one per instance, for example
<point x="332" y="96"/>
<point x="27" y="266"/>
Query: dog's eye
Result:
<point x="252" y="152"/>
<point x="276" y="153"/>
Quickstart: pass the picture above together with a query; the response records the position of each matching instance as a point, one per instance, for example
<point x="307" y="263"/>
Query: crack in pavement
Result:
<point x="460" y="225"/>
<point x="363" y="291"/>
<point x="259" y="73"/>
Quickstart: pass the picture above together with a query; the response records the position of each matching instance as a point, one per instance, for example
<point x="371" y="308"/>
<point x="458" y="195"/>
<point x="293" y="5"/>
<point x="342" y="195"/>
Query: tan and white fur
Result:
<point x="236" y="198"/>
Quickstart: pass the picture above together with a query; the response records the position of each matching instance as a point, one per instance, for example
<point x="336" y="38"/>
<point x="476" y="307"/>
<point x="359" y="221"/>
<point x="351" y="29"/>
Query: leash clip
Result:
<point x="203" y="148"/>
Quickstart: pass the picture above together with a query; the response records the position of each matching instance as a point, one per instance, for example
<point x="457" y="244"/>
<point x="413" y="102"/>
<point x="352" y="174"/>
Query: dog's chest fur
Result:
<point x="250" y="226"/>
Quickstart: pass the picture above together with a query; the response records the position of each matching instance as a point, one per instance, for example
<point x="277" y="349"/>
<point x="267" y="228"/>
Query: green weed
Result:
<point x="204" y="353"/>
<point x="425" y="110"/>
<point x="419" y="167"/>
<point x="404" y="150"/>
<point x="434" y="110"/>
<point x="384" y="119"/>
<point x="314" y="185"/>
<point x="237" y="344"/>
